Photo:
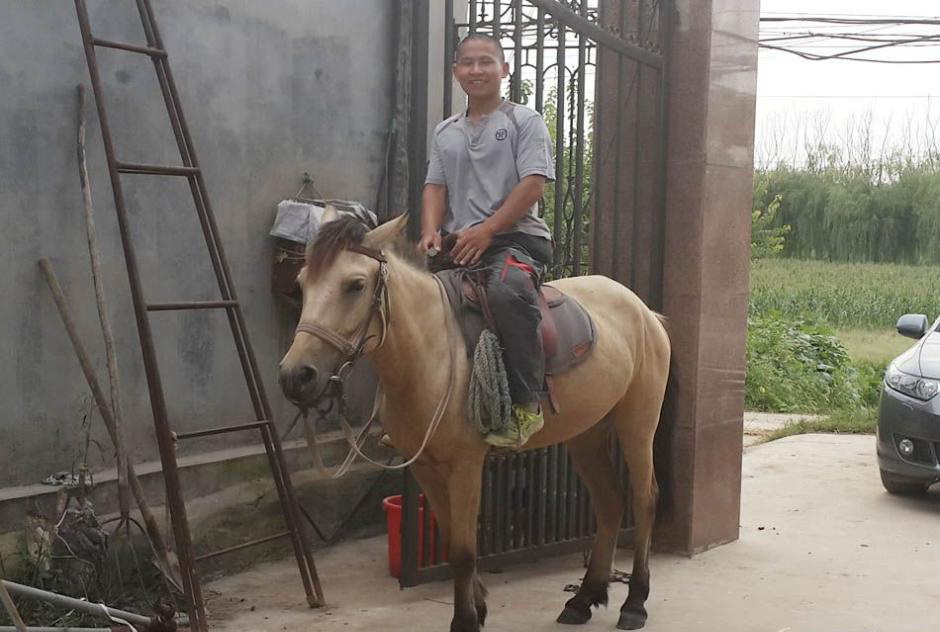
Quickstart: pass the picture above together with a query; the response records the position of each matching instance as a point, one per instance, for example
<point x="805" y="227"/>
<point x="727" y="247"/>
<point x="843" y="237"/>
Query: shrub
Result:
<point x="798" y="366"/>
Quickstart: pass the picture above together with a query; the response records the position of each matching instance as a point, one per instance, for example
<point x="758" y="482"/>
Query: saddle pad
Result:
<point x="574" y="326"/>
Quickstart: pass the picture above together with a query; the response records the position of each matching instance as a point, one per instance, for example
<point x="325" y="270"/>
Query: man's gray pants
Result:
<point x="515" y="265"/>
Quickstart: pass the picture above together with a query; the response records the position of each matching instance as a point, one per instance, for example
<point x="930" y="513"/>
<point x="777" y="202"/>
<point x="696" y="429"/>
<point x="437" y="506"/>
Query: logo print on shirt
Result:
<point x="501" y="133"/>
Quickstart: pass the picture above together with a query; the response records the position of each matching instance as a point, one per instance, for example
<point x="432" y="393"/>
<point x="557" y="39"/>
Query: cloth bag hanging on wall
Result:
<point x="296" y="224"/>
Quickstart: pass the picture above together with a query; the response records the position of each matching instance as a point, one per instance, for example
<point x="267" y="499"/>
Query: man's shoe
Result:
<point x="525" y="421"/>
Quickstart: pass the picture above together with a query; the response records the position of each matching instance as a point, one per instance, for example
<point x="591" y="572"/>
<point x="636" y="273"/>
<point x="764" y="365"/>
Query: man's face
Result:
<point x="479" y="70"/>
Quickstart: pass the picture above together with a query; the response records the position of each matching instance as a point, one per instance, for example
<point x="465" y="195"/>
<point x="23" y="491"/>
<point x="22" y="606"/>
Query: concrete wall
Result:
<point x="270" y="90"/>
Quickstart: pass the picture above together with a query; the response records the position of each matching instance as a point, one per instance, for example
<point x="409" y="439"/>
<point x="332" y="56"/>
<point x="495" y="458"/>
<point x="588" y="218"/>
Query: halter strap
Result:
<point x="352" y="350"/>
<point x="334" y="339"/>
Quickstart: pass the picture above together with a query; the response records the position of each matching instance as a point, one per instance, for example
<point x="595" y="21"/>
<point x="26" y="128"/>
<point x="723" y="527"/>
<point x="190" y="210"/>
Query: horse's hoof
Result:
<point x="465" y="625"/>
<point x="574" y="616"/>
<point x="631" y="620"/>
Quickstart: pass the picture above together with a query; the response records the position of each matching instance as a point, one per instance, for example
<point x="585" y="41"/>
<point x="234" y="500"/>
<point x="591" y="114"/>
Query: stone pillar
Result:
<point x="712" y="73"/>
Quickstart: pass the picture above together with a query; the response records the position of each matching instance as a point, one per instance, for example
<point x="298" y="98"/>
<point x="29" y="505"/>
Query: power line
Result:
<point x="864" y="22"/>
<point x="848" y="96"/>
<point x="844" y="15"/>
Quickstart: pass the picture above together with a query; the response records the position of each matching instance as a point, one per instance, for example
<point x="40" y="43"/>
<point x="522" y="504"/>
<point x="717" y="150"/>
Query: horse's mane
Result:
<point x="347" y="231"/>
<point x="332" y="238"/>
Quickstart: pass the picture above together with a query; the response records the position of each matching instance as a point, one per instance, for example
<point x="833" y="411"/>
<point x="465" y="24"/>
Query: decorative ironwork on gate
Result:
<point x="596" y="71"/>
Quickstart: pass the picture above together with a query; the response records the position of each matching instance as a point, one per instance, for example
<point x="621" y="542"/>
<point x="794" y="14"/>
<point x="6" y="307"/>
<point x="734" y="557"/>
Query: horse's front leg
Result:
<point x="463" y="487"/>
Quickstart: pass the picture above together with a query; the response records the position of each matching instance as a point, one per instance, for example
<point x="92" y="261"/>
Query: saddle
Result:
<point x="566" y="329"/>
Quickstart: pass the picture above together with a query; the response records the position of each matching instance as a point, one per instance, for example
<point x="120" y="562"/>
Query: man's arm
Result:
<point x="473" y="242"/>
<point x="433" y="207"/>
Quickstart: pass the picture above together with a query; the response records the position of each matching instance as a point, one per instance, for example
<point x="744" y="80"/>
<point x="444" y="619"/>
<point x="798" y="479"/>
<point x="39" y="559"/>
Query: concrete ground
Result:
<point x="822" y="548"/>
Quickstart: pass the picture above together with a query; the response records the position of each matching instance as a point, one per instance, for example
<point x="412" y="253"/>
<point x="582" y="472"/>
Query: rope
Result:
<point x="489" y="401"/>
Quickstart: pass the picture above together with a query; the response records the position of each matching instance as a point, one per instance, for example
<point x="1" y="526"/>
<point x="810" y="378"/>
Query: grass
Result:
<point x="860" y="420"/>
<point x="845" y="296"/>
<point x="873" y="345"/>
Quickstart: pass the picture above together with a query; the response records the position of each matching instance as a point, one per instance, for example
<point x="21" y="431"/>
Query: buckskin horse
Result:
<point x="361" y="297"/>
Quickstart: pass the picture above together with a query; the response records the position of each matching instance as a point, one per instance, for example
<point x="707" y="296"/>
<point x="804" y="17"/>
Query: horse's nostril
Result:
<point x="307" y="374"/>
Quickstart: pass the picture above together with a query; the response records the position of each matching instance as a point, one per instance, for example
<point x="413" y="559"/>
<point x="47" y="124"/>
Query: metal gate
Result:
<point x="595" y="70"/>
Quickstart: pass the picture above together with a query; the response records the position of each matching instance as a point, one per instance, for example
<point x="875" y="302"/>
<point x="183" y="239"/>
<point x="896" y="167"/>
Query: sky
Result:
<point x="832" y="100"/>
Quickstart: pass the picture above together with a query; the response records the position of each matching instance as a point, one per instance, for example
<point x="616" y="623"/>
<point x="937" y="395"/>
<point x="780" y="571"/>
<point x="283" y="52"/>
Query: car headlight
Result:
<point x="917" y="387"/>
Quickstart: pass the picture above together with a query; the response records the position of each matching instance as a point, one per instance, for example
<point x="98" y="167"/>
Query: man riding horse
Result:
<point x="486" y="173"/>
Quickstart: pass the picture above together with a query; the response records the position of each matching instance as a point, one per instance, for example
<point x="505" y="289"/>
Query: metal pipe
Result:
<point x="567" y="17"/>
<point x="243" y="545"/>
<point x="71" y="603"/>
<point x="163" y="307"/>
<point x="254" y="425"/>
<point x="559" y="210"/>
<point x="449" y="38"/>
<point x="409" y="532"/>
<point x="539" y="60"/>
<point x="153" y="52"/>
<point x="6" y="628"/>
<point x="515" y="88"/>
<point x="578" y="214"/>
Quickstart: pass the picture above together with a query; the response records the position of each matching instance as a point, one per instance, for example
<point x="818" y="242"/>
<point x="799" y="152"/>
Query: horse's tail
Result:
<point x="662" y="441"/>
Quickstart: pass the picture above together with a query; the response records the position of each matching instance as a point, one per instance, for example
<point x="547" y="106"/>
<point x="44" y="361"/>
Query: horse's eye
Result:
<point x="356" y="285"/>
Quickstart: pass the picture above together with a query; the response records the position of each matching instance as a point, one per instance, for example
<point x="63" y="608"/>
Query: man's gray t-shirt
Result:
<point x="481" y="163"/>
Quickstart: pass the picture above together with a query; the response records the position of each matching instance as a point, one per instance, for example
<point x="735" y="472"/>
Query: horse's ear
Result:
<point x="330" y="214"/>
<point x="387" y="234"/>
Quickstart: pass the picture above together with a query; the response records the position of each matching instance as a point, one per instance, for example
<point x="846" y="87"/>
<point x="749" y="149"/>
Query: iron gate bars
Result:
<point x="596" y="71"/>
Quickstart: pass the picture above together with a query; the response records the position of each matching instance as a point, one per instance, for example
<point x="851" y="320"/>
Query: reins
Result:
<point x="353" y="351"/>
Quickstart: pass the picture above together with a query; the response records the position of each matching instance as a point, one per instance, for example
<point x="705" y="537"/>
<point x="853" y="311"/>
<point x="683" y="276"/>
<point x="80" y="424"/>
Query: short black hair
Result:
<point x="480" y="37"/>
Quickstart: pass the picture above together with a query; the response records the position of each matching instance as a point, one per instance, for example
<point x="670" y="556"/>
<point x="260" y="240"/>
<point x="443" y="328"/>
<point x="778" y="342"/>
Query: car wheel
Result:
<point x="896" y="484"/>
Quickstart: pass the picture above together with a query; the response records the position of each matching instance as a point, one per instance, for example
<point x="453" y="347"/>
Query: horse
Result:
<point x="362" y="296"/>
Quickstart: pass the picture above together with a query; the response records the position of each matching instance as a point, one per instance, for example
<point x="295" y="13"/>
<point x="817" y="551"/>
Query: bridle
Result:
<point x="334" y="386"/>
<point x="352" y="351"/>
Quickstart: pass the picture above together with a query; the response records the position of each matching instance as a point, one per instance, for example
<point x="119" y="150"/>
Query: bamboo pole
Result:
<point x="106" y="332"/>
<point x="11" y="608"/>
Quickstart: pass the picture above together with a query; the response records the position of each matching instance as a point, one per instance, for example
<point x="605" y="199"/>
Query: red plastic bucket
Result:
<point x="392" y="507"/>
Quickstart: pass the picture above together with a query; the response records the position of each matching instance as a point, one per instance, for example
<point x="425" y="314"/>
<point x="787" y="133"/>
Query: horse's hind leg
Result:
<point x="591" y="457"/>
<point x="636" y="418"/>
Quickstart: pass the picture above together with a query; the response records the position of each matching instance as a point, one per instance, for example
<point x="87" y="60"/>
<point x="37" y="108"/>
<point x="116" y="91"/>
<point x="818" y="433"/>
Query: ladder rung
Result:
<point x="153" y="52"/>
<point x="155" y="170"/>
<point x="244" y="545"/>
<point x="164" y="307"/>
<point x="222" y="429"/>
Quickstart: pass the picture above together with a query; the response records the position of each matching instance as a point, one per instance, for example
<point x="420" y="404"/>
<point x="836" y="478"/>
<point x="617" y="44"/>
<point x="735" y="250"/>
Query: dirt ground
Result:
<point x="822" y="548"/>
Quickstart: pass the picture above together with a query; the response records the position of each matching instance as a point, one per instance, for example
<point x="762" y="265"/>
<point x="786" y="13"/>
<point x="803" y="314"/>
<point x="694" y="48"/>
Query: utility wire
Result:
<point x="814" y="39"/>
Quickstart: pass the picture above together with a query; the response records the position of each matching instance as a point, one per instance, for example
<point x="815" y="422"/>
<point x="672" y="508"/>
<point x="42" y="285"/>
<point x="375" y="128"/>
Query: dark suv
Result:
<point x="909" y="414"/>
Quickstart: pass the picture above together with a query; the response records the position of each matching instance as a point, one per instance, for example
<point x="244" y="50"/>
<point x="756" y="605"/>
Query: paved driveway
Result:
<point x="822" y="549"/>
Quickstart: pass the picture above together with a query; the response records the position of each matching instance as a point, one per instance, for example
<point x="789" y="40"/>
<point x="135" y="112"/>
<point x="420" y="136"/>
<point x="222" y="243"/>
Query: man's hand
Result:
<point x="471" y="244"/>
<point x="430" y="243"/>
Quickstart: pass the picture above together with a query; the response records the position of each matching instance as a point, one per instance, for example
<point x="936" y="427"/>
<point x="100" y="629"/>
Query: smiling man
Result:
<point x="487" y="170"/>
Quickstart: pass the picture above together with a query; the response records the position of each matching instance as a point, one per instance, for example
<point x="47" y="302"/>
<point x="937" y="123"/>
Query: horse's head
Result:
<point x="345" y="305"/>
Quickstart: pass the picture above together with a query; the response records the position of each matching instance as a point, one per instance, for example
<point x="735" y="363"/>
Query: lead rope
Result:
<point x="489" y="400"/>
<point x="356" y="442"/>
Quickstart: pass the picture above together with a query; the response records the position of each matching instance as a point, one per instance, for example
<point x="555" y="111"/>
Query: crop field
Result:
<point x="851" y="296"/>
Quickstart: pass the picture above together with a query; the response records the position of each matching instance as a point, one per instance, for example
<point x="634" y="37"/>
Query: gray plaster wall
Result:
<point x="270" y="89"/>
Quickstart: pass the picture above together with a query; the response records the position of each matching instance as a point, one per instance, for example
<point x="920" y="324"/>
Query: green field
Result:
<point x="862" y="296"/>
<point x="821" y="334"/>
